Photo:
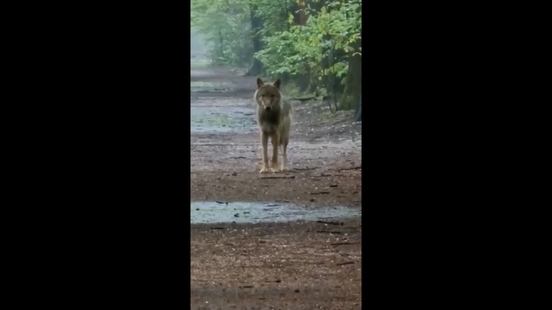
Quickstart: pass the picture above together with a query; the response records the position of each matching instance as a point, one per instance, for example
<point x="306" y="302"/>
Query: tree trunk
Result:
<point x="358" y="117"/>
<point x="221" y="42"/>
<point x="353" y="82"/>
<point x="313" y="83"/>
<point x="256" y="25"/>
<point x="299" y="15"/>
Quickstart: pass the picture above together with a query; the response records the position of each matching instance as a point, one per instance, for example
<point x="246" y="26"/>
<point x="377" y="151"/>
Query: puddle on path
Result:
<point x="222" y="119"/>
<point x="255" y="212"/>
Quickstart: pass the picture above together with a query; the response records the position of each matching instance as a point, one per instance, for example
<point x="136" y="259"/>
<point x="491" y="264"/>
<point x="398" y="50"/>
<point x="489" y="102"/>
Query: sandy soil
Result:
<point x="296" y="265"/>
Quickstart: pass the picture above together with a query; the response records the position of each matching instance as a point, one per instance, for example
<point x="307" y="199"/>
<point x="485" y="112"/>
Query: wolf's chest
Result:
<point x="266" y="127"/>
<point x="268" y="122"/>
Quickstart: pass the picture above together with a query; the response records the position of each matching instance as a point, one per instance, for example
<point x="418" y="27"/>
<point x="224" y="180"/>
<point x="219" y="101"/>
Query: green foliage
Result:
<point x="224" y="24"/>
<point x="320" y="48"/>
<point x="274" y="14"/>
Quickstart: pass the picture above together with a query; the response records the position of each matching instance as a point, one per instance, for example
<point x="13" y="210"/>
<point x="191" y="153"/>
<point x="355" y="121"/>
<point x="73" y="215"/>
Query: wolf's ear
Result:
<point x="259" y="82"/>
<point x="277" y="83"/>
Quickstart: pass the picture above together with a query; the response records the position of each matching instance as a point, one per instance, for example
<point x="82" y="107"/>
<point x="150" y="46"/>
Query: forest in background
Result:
<point x="313" y="46"/>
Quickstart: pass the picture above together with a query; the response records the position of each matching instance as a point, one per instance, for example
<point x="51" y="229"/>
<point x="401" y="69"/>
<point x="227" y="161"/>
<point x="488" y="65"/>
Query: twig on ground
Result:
<point x="351" y="168"/>
<point x="320" y="193"/>
<point x="279" y="177"/>
<point x="331" y="175"/>
<point x="344" y="243"/>
<point x="331" y="223"/>
<point x="306" y="168"/>
<point x="329" y="231"/>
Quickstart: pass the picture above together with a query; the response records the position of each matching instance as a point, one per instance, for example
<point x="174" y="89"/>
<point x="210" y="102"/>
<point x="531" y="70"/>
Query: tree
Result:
<point x="353" y="79"/>
<point x="314" y="45"/>
<point x="256" y="26"/>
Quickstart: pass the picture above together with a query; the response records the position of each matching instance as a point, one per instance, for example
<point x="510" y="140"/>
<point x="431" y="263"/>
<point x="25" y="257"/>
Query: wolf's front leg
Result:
<point x="275" y="139"/>
<point x="264" y="145"/>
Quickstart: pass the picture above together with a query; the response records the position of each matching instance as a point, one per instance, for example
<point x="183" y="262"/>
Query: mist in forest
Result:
<point x="198" y="47"/>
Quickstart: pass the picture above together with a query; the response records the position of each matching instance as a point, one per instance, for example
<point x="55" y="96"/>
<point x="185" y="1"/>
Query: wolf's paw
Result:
<point x="285" y="166"/>
<point x="275" y="167"/>
<point x="264" y="169"/>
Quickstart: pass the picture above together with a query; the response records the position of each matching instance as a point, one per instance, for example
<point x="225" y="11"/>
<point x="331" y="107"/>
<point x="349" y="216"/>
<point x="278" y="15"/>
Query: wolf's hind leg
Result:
<point x="284" y="143"/>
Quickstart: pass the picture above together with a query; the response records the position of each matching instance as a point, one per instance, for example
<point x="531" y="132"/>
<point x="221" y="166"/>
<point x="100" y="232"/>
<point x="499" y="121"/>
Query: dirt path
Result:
<point x="295" y="265"/>
<point x="226" y="153"/>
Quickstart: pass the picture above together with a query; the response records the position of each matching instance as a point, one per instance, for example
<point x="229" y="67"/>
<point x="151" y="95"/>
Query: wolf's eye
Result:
<point x="272" y="96"/>
<point x="262" y="96"/>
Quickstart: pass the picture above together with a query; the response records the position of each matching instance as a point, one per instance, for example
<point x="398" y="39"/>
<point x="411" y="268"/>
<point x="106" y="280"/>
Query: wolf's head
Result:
<point x="268" y="95"/>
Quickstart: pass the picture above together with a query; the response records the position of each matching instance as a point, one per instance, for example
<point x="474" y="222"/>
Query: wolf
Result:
<point x="274" y="120"/>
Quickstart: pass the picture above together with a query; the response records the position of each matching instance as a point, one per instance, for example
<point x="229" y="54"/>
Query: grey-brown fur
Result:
<point x="274" y="120"/>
